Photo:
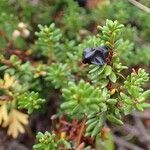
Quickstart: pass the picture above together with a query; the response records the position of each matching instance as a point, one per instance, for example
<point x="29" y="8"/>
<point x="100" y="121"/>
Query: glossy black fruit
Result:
<point x="95" y="55"/>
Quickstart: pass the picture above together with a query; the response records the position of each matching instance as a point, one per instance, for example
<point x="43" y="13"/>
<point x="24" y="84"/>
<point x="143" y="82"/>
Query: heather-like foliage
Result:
<point x="85" y="62"/>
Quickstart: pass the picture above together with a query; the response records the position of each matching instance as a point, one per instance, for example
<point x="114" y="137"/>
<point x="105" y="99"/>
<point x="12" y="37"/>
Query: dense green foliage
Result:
<point x="41" y="46"/>
<point x="49" y="141"/>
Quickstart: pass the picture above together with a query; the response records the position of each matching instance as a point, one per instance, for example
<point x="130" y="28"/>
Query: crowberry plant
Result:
<point x="107" y="95"/>
<point x="70" y="74"/>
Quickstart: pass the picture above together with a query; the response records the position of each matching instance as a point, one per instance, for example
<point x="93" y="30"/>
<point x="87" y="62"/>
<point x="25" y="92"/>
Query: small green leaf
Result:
<point x="67" y="105"/>
<point x="101" y="69"/>
<point x="146" y="94"/>
<point x="76" y="109"/>
<point x="113" y="77"/>
<point x="129" y="101"/>
<point x="127" y="110"/>
<point x="139" y="107"/>
<point x="112" y="101"/>
<point x="134" y="91"/>
<point x="104" y="83"/>
<point x="91" y="126"/>
<point x="103" y="107"/>
<point x="94" y="69"/>
<point x="95" y="107"/>
<point x="145" y="105"/>
<point x="96" y="129"/>
<point x="91" y="120"/>
<point x="120" y="26"/>
<point x="108" y="70"/>
<point x="87" y="133"/>
<point x="105" y="38"/>
<point x="114" y="120"/>
<point x="123" y="96"/>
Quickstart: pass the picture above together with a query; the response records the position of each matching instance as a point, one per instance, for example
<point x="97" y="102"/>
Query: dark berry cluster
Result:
<point x="95" y="55"/>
